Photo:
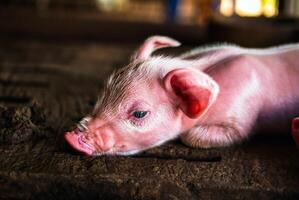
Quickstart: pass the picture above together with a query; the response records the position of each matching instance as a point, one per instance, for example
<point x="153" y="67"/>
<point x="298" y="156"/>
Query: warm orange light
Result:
<point x="249" y="8"/>
<point x="227" y="8"/>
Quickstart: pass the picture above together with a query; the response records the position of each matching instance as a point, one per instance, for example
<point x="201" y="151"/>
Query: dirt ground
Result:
<point x="47" y="86"/>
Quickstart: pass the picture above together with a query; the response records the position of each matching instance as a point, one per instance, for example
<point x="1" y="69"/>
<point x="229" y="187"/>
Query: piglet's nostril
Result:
<point x="76" y="142"/>
<point x="77" y="131"/>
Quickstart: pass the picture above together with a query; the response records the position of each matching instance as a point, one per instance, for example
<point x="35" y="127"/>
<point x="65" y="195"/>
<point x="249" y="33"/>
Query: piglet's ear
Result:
<point x="153" y="43"/>
<point x="192" y="90"/>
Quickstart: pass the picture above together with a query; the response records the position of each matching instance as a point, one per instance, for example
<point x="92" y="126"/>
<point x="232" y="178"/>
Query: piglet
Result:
<point x="209" y="97"/>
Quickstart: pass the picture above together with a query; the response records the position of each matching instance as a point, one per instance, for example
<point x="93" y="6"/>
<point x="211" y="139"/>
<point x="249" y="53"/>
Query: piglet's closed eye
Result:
<point x="195" y="91"/>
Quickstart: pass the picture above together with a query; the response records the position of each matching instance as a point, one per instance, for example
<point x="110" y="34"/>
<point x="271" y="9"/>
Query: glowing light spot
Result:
<point x="227" y="8"/>
<point x="270" y="8"/>
<point x="250" y="8"/>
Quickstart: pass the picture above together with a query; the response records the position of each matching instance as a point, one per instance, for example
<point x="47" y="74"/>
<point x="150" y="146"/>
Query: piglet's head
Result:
<point x="144" y="104"/>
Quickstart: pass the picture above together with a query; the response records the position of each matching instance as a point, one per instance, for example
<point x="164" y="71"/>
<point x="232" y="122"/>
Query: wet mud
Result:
<point x="23" y="123"/>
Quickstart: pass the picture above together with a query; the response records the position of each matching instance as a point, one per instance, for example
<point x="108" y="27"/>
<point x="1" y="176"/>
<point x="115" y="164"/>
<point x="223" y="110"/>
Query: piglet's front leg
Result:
<point x="212" y="135"/>
<point x="208" y="136"/>
<point x="295" y="130"/>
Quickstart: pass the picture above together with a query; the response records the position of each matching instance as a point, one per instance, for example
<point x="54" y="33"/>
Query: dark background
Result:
<point x="190" y="21"/>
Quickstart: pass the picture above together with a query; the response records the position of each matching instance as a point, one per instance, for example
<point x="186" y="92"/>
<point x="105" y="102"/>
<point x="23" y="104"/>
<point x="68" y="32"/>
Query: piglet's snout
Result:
<point x="74" y="139"/>
<point x="92" y="137"/>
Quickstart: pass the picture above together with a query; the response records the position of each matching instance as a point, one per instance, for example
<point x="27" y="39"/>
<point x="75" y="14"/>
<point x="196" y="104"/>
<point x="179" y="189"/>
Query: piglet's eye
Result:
<point x="140" y="114"/>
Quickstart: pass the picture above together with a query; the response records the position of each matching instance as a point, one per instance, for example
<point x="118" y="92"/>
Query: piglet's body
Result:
<point x="208" y="97"/>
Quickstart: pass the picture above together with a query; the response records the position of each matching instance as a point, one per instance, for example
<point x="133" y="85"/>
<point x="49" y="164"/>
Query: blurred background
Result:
<point x="246" y="22"/>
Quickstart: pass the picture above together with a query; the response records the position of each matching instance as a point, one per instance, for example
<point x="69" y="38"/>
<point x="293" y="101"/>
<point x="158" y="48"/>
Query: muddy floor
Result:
<point x="46" y="87"/>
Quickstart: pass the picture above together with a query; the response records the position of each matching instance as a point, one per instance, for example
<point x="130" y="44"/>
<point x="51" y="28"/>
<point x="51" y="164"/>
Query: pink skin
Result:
<point x="208" y="98"/>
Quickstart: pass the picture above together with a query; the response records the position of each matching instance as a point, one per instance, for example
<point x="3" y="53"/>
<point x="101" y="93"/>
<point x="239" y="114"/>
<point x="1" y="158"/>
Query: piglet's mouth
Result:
<point x="75" y="140"/>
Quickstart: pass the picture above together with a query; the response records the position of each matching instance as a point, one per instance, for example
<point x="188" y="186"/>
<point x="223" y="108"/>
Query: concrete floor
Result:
<point x="51" y="85"/>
